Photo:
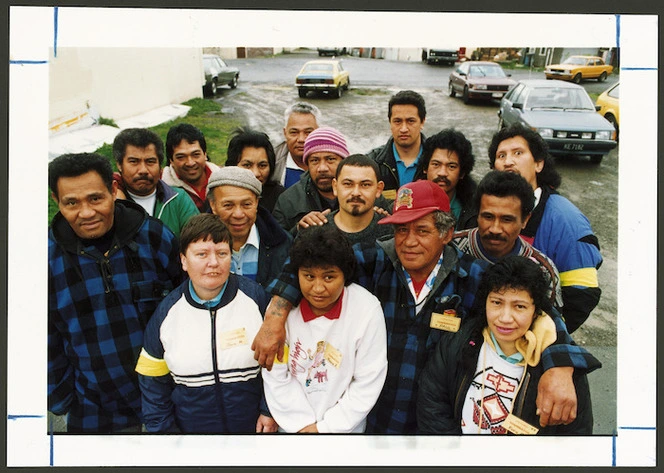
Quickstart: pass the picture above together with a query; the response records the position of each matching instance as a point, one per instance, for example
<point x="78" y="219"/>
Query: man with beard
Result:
<point x="324" y="149"/>
<point x="448" y="160"/>
<point x="357" y="187"/>
<point x="139" y="155"/>
<point x="505" y="202"/>
<point x="190" y="167"/>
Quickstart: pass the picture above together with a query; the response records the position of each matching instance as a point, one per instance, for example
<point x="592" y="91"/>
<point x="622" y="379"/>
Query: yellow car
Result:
<point x="322" y="76"/>
<point x="609" y="104"/>
<point x="578" y="68"/>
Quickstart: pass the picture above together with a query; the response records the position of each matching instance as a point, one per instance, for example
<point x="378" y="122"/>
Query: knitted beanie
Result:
<point x="234" y="176"/>
<point x="325" y="139"/>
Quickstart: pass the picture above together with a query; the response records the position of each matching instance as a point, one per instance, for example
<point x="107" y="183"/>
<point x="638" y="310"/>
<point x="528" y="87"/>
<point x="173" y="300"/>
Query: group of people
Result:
<point x="302" y="288"/>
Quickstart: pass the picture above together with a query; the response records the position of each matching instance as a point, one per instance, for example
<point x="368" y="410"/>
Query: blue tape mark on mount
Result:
<point x="50" y="429"/>
<point x="638" y="68"/>
<point x="23" y="416"/>
<point x="613" y="454"/>
<point x="618" y="31"/>
<point x="27" y="62"/>
<point x="55" y="32"/>
<point x="636" y="427"/>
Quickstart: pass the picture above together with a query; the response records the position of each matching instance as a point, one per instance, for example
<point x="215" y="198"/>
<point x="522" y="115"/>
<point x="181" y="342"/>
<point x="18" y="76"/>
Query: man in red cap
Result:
<point x="425" y="287"/>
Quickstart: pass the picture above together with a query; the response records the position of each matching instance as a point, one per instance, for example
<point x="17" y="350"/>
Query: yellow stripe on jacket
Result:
<point x="148" y="365"/>
<point x="579" y="277"/>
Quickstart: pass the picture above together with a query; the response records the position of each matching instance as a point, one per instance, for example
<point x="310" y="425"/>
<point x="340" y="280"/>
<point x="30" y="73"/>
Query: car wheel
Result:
<point x="233" y="83"/>
<point x="612" y="120"/>
<point x="347" y="85"/>
<point x="338" y="92"/>
<point x="596" y="159"/>
<point x="602" y="77"/>
<point x="302" y="93"/>
<point x="213" y="87"/>
<point x="577" y="78"/>
<point x="465" y="97"/>
<point x="501" y="124"/>
<point x="320" y="53"/>
<point x="450" y="90"/>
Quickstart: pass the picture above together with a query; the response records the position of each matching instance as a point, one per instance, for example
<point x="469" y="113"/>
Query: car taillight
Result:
<point x="299" y="81"/>
<point x="329" y="81"/>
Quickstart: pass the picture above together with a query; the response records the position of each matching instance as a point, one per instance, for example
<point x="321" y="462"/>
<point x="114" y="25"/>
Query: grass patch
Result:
<point x="361" y="91"/>
<point x="204" y="114"/>
<point x="107" y="121"/>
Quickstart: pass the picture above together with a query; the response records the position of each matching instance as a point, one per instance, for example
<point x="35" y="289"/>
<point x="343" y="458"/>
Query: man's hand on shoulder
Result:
<point x="313" y="219"/>
<point x="269" y="341"/>
<point x="556" y="397"/>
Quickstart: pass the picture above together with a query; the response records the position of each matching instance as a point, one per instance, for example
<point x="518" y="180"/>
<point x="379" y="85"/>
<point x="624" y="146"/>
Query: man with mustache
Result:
<point x="190" y="166"/>
<point x="357" y="187"/>
<point x="399" y="157"/>
<point x="557" y="227"/>
<point x="447" y="160"/>
<point x="139" y="155"/>
<point x="324" y="149"/>
<point x="505" y="202"/>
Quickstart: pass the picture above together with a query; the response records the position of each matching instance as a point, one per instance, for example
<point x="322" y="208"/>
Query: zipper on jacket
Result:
<point x="517" y="410"/>
<point x="458" y="405"/>
<point x="217" y="381"/>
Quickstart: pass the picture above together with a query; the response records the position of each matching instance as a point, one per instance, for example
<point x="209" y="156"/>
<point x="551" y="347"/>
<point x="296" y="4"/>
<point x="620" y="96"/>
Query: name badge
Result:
<point x="447" y="321"/>
<point x="332" y="355"/>
<point x="518" y="426"/>
<point x="390" y="194"/>
<point x="233" y="338"/>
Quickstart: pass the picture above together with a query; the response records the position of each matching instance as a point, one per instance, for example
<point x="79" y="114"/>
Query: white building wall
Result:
<point x="119" y="83"/>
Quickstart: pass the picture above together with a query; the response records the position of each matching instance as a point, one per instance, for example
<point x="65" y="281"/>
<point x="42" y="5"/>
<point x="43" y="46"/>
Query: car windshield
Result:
<point x="486" y="71"/>
<point x="317" y="68"/>
<point x="559" y="98"/>
<point x="575" y="61"/>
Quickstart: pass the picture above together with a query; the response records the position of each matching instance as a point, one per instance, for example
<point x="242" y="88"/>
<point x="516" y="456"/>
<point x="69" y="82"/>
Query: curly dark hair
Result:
<point x="452" y="140"/>
<point x="506" y="184"/>
<point x="323" y="246"/>
<point x="513" y="272"/>
<point x="183" y="131"/>
<point x="202" y="227"/>
<point x="139" y="137"/>
<point x="77" y="164"/>
<point x="246" y="137"/>
<point x="548" y="176"/>
<point x="407" y="97"/>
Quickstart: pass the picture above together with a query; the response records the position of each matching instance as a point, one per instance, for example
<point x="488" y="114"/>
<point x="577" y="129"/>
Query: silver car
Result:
<point x="563" y="114"/>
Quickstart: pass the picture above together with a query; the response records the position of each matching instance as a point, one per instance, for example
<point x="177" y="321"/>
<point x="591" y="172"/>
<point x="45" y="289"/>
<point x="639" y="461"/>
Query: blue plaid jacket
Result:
<point x="410" y="339"/>
<point x="98" y="307"/>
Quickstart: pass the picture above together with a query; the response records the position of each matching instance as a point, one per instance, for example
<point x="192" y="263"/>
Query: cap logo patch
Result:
<point x="404" y="199"/>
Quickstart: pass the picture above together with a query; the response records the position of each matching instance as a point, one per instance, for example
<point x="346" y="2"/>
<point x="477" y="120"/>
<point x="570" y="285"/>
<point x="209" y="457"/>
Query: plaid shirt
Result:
<point x="98" y="307"/>
<point x="469" y="242"/>
<point x="410" y="338"/>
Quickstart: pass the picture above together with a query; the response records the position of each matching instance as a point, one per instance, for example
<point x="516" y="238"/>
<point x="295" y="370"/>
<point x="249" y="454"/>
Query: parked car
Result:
<point x="331" y="51"/>
<point x="326" y="76"/>
<point x="578" y="68"/>
<point x="437" y="55"/>
<point x="479" y="80"/>
<point x="563" y="114"/>
<point x="218" y="73"/>
<point x="609" y="106"/>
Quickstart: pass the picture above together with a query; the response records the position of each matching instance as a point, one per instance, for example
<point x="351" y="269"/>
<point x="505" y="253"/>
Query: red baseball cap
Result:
<point x="417" y="199"/>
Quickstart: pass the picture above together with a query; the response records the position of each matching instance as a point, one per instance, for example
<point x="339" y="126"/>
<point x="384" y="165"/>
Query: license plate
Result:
<point x="497" y="95"/>
<point x="573" y="147"/>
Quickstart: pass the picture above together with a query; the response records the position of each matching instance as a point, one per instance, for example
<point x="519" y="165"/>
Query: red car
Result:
<point x="479" y="80"/>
